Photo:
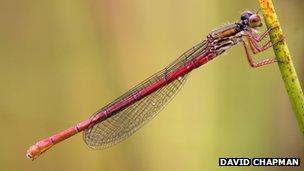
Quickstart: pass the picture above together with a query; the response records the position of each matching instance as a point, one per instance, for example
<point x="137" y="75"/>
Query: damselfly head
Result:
<point x="251" y="19"/>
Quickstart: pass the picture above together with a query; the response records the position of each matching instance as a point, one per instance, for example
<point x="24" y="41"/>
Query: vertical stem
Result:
<point x="285" y="63"/>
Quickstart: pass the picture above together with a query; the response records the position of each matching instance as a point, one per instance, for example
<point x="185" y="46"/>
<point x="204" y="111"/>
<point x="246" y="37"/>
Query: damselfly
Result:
<point x="121" y="118"/>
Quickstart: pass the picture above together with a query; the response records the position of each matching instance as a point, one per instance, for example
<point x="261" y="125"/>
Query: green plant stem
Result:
<point x="285" y="64"/>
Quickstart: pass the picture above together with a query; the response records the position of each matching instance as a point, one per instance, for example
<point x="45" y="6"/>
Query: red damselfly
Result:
<point x="121" y="118"/>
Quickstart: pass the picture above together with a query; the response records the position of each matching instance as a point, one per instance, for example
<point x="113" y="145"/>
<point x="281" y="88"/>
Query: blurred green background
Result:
<point x="62" y="60"/>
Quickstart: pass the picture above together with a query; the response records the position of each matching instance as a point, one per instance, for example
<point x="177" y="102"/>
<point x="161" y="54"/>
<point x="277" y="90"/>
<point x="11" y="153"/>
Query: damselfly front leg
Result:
<point x="254" y="41"/>
<point x="257" y="37"/>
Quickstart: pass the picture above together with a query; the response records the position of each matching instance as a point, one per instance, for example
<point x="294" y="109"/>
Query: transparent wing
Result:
<point x="125" y="122"/>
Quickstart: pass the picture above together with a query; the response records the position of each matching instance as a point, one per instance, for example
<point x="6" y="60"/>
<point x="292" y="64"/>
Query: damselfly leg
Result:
<point x="254" y="40"/>
<point x="251" y="44"/>
<point x="257" y="37"/>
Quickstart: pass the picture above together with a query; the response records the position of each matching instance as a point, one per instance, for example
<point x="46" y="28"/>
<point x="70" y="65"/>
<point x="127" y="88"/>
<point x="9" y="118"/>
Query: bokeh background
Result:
<point x="62" y="60"/>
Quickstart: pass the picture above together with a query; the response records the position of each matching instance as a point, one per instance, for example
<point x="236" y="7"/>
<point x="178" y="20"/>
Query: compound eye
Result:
<point x="255" y="21"/>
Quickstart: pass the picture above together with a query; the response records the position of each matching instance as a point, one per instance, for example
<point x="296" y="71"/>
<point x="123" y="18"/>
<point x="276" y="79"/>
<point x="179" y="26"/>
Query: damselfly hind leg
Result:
<point x="254" y="64"/>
